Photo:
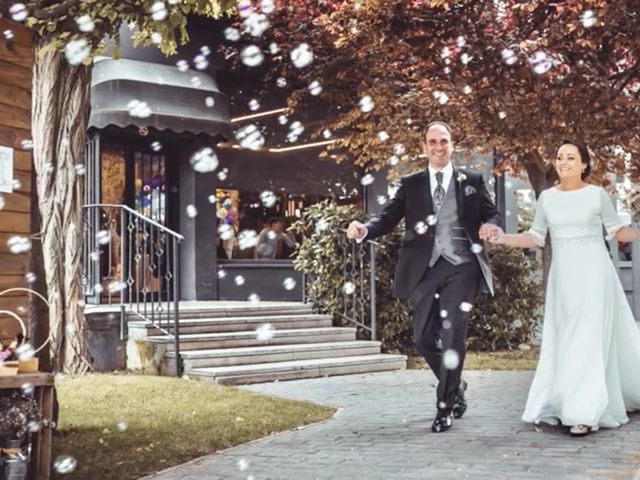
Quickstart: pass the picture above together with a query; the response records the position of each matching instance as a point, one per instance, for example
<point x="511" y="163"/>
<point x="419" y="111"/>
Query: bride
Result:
<point x="587" y="375"/>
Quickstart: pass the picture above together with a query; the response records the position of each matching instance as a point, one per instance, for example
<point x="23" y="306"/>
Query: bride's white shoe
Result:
<point x="579" y="430"/>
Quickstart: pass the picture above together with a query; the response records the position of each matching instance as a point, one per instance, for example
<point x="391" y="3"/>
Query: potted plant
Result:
<point x="19" y="415"/>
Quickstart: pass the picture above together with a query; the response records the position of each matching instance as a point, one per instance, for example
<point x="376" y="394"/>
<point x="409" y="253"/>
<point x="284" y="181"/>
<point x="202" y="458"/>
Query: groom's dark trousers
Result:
<point x="427" y="269"/>
<point x="440" y="324"/>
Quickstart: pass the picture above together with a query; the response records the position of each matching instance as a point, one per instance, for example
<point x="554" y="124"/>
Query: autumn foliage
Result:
<point x="512" y="76"/>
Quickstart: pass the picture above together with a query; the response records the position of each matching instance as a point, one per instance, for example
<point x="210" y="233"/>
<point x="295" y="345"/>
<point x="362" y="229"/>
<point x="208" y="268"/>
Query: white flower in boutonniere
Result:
<point x="461" y="177"/>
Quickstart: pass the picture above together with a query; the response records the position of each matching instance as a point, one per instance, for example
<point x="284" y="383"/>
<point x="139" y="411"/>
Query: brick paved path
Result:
<point x="382" y="431"/>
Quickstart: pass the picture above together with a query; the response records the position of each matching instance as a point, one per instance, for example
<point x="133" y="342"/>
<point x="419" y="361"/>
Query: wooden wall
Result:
<point x="16" y="60"/>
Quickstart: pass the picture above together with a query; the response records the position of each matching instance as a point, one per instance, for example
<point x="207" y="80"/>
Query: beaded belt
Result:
<point x="577" y="239"/>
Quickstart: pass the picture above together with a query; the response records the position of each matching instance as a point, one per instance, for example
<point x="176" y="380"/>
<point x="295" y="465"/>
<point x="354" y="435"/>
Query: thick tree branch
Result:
<point x="42" y="12"/>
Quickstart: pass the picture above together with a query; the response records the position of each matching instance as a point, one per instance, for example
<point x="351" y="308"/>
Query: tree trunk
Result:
<point x="39" y="312"/>
<point x="60" y="96"/>
<point x="541" y="176"/>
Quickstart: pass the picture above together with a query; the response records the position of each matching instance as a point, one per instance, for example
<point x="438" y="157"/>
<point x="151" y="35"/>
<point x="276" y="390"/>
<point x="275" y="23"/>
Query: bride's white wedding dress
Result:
<point x="589" y="367"/>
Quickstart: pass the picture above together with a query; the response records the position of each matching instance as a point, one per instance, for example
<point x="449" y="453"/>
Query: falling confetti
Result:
<point x="191" y="211"/>
<point x="420" y="228"/>
<point x="158" y="11"/>
<point x="254" y="105"/>
<point x="225" y="232"/>
<point x="301" y="56"/>
<point x="540" y="62"/>
<point x="18" y="12"/>
<point x="315" y="88"/>
<point x="253" y="298"/>
<point x="366" y="104"/>
<point x="85" y="23"/>
<point x="450" y="359"/>
<point x="76" y="51"/>
<point x="65" y="464"/>
<point x="251" y="56"/>
<point x="466" y="306"/>
<point x="138" y="109"/>
<point x="250" y="137"/>
<point x="201" y="62"/>
<point x="204" y="160"/>
<point x="268" y="198"/>
<point x="588" y="19"/>
<point x="265" y="332"/>
<point x="368" y="179"/>
<point x="509" y="56"/>
<point x="247" y="239"/>
<point x="231" y="34"/>
<point x="348" y="288"/>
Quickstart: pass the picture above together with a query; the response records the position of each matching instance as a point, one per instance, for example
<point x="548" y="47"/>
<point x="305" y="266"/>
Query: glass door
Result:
<point x="150" y="199"/>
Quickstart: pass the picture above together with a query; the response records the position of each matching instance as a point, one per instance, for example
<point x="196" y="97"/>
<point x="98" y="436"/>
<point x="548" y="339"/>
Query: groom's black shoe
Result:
<point x="443" y="421"/>
<point x="460" y="404"/>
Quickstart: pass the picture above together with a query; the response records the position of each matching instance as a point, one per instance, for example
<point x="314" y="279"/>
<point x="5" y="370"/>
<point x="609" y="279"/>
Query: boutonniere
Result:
<point x="461" y="177"/>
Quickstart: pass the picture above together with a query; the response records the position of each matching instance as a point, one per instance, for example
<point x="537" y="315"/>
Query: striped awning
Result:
<point x="130" y="92"/>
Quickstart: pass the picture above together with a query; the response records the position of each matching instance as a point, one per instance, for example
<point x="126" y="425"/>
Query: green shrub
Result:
<point x="509" y="319"/>
<point x="327" y="257"/>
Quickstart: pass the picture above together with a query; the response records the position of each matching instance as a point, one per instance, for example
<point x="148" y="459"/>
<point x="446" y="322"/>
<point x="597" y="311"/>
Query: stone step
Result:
<point x="267" y="372"/>
<point x="242" y="309"/>
<point x="204" y="341"/>
<point x="234" y="324"/>
<point x="226" y="357"/>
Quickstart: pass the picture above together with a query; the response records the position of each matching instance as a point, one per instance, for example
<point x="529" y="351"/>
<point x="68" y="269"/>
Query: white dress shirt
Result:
<point x="447" y="174"/>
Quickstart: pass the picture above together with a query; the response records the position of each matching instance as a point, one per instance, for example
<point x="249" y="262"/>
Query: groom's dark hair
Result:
<point x="584" y="154"/>
<point x="423" y="135"/>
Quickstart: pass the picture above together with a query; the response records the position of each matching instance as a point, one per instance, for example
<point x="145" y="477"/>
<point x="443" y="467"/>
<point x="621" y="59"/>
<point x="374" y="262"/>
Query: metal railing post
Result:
<point x="372" y="286"/>
<point x="176" y="306"/>
<point x="122" y="255"/>
<point x="304" y="287"/>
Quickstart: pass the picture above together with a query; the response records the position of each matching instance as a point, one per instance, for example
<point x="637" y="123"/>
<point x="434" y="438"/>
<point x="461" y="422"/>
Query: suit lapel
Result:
<point x="428" y="200"/>
<point x="459" y="192"/>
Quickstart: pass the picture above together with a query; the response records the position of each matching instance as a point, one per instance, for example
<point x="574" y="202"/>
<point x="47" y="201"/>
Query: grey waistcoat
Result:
<point x="450" y="240"/>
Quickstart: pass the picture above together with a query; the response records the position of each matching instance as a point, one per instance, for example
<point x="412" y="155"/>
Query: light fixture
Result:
<point x="258" y="115"/>
<point x="301" y="147"/>
<point x="279" y="150"/>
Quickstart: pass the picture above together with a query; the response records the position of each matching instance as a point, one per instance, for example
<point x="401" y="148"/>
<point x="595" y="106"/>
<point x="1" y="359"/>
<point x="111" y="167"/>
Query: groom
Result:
<point x="439" y="269"/>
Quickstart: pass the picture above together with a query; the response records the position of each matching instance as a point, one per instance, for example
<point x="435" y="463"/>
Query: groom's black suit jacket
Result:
<point x="414" y="203"/>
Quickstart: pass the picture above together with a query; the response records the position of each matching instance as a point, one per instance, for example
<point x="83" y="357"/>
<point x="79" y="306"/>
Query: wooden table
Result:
<point x="43" y="393"/>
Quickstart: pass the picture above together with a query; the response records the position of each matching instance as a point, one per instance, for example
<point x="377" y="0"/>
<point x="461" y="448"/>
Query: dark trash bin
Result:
<point x="106" y="347"/>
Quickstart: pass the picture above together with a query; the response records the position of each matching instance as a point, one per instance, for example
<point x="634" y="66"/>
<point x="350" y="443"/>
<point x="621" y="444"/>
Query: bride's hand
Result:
<point x="497" y="236"/>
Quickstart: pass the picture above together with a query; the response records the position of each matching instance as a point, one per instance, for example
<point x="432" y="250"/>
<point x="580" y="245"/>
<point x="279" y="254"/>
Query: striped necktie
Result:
<point x="438" y="193"/>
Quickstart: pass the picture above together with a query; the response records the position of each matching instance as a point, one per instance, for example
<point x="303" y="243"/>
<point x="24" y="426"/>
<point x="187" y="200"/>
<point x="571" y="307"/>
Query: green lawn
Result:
<point x="121" y="427"/>
<point x="503" y="360"/>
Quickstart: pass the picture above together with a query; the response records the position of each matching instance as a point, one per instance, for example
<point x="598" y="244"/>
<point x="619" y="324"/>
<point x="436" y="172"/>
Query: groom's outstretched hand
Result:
<point x="489" y="232"/>
<point x="356" y="230"/>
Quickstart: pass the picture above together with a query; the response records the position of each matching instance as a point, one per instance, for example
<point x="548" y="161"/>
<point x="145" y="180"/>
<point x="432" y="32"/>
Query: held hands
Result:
<point x="356" y="230"/>
<point x="491" y="233"/>
<point x="488" y="232"/>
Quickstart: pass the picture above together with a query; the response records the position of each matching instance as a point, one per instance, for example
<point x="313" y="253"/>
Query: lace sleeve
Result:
<point x="538" y="228"/>
<point x="610" y="218"/>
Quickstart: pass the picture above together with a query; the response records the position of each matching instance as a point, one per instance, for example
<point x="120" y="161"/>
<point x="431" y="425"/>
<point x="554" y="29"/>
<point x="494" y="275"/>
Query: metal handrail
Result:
<point x="137" y="214"/>
<point x="351" y="313"/>
<point x="145" y="258"/>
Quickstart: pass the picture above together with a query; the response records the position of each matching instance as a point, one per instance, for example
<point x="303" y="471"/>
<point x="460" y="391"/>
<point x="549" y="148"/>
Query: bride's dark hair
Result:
<point x="584" y="154"/>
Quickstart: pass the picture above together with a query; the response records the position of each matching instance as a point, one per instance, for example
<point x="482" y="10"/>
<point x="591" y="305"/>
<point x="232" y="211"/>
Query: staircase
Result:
<point x="219" y="342"/>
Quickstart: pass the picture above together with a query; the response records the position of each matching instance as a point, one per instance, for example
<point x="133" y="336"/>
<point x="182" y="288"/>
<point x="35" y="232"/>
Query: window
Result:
<point x="244" y="211"/>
